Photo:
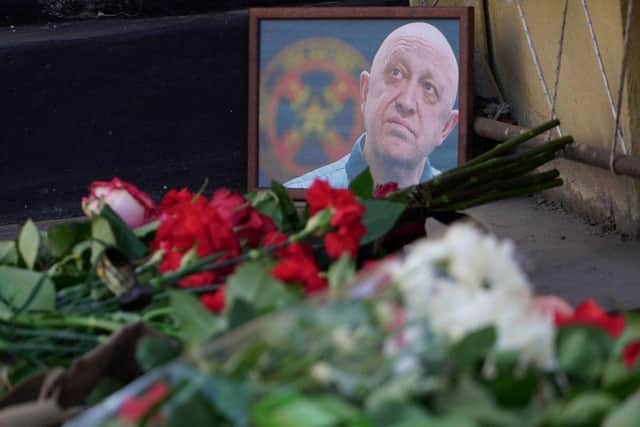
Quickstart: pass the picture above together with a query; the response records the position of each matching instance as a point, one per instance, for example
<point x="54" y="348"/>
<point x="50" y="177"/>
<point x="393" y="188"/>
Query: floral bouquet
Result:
<point x="448" y="334"/>
<point x="193" y="267"/>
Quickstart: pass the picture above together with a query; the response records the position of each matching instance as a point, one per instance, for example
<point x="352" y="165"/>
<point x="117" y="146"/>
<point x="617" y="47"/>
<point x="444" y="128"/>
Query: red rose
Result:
<point x="383" y="190"/>
<point x="133" y="205"/>
<point x="249" y="224"/>
<point x="589" y="313"/>
<point x="134" y="408"/>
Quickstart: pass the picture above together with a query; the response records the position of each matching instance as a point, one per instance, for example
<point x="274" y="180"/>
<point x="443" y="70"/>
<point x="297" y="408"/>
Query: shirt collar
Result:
<point x="356" y="164"/>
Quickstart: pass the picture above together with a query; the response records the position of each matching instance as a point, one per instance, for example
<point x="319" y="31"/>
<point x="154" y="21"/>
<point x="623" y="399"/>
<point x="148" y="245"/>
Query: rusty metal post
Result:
<point x="582" y="153"/>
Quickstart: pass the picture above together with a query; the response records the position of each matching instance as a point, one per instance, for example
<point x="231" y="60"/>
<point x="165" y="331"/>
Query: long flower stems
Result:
<point x="89" y="322"/>
<point x="452" y="180"/>
<point x="502" y="195"/>
<point x="501" y="185"/>
<point x="513" y="142"/>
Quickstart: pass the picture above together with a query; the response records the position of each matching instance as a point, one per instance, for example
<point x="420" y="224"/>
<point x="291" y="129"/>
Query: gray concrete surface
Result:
<point x="564" y="255"/>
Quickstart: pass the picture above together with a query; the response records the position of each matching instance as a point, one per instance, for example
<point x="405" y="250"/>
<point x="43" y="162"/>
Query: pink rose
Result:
<point x="134" y="206"/>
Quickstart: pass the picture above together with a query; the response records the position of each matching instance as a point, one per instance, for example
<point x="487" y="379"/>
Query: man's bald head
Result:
<point x="432" y="39"/>
<point x="407" y="101"/>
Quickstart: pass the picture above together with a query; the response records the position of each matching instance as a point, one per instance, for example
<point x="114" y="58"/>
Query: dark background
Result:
<point x="155" y="94"/>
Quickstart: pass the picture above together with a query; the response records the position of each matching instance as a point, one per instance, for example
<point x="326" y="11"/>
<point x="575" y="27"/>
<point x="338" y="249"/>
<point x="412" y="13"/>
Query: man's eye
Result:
<point x="430" y="89"/>
<point x="395" y="72"/>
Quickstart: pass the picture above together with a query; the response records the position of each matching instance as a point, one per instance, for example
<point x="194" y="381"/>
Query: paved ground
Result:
<point x="565" y="255"/>
<point x="562" y="253"/>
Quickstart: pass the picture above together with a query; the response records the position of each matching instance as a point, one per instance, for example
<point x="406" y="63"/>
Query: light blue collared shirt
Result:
<point x="341" y="172"/>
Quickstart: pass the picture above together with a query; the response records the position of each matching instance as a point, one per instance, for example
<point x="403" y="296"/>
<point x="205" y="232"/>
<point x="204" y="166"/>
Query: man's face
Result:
<point x="408" y="97"/>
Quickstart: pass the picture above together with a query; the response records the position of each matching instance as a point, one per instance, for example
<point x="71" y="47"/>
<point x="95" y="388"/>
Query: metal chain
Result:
<point x="558" y="61"/>
<point x="534" y="57"/>
<point x="625" y="56"/>
<point x="603" y="74"/>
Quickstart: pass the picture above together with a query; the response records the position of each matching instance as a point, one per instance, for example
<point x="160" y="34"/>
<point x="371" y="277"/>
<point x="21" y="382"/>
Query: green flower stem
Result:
<point x="175" y="276"/>
<point x="513" y="142"/>
<point x="501" y="195"/>
<point x="47" y="347"/>
<point x="68" y="322"/>
<point x="157" y="312"/>
<point x="447" y="181"/>
<point x="509" y="171"/>
<point x="503" y="185"/>
<point x="46" y="333"/>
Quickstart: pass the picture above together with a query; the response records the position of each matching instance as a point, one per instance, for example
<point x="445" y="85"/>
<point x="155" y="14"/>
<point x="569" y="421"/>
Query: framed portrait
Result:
<point x="333" y="91"/>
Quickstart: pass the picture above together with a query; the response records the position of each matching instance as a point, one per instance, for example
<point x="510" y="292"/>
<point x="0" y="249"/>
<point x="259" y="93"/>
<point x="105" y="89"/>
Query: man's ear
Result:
<point x="451" y="123"/>
<point x="364" y="89"/>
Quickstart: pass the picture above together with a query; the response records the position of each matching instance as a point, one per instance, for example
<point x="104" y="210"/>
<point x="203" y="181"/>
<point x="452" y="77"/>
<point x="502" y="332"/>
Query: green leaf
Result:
<point x="194" y="321"/>
<point x="233" y="399"/>
<point x="291" y="410"/>
<point x="28" y="243"/>
<point x="153" y="351"/>
<point x="63" y="237"/>
<point x="192" y="409"/>
<point x="146" y="229"/>
<point x="379" y="218"/>
<point x="620" y="380"/>
<point x="587" y="409"/>
<point x="473" y="347"/>
<point x="341" y="272"/>
<point x="267" y="203"/>
<point x="362" y="185"/>
<point x="8" y="252"/>
<point x="102" y="236"/>
<point x="126" y="239"/>
<point x="291" y="219"/>
<point x="583" y="352"/>
<point x="470" y="400"/>
<point x="240" y="312"/>
<point x="625" y="415"/>
<point x="252" y="282"/>
<point x="18" y="285"/>
<point x="398" y="413"/>
<point x="511" y="385"/>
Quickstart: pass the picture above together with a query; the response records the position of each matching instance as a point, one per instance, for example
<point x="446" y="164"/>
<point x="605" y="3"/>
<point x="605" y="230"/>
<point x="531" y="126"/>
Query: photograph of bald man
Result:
<point x="407" y="100"/>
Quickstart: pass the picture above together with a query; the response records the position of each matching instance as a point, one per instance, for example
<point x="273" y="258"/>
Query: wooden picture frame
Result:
<point x="291" y="102"/>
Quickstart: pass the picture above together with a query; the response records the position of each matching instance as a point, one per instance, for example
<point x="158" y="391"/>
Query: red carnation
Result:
<point x="589" y="313"/>
<point x="189" y="221"/>
<point x="383" y="190"/>
<point x="296" y="264"/>
<point x="346" y="217"/>
<point x="346" y="239"/>
<point x="214" y="301"/>
<point x="630" y="353"/>
<point x="300" y="270"/>
<point x="249" y="224"/>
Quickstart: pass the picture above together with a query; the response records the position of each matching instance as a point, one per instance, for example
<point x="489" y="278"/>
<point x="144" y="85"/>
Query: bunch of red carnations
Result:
<point x="192" y="226"/>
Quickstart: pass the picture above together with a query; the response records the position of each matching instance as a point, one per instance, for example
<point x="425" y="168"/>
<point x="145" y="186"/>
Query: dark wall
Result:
<point x="161" y="102"/>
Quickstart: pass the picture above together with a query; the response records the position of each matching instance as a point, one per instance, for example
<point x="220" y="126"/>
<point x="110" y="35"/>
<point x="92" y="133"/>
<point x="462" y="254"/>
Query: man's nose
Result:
<point x="406" y="102"/>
